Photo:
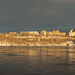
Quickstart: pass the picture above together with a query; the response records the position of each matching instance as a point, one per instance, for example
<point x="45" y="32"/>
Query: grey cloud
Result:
<point x="64" y="1"/>
<point x="37" y="12"/>
<point x="57" y="1"/>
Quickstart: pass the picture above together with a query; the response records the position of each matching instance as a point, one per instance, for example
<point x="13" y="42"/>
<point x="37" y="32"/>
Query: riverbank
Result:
<point x="37" y="41"/>
<point x="69" y="43"/>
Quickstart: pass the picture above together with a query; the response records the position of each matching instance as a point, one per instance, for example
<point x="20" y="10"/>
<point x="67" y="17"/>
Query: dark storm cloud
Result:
<point x="28" y="13"/>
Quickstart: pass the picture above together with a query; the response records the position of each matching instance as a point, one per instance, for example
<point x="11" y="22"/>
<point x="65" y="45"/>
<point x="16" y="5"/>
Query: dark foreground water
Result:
<point x="34" y="60"/>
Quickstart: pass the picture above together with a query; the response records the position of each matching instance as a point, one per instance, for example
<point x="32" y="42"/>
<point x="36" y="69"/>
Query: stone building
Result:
<point x="49" y="33"/>
<point x="34" y="32"/>
<point x="43" y="32"/>
<point x="62" y="34"/>
<point x="29" y="33"/>
<point x="13" y="34"/>
<point x="56" y="33"/>
<point x="6" y="34"/>
<point x="72" y="33"/>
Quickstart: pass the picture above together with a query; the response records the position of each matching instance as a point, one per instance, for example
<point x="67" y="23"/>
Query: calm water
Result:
<point x="34" y="60"/>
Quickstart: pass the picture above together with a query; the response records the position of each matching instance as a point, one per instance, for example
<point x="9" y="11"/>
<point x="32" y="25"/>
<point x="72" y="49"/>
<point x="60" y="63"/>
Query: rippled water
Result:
<point x="37" y="60"/>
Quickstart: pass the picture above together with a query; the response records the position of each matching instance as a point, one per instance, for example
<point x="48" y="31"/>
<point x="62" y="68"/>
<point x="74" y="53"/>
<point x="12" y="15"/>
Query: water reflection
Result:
<point x="40" y="60"/>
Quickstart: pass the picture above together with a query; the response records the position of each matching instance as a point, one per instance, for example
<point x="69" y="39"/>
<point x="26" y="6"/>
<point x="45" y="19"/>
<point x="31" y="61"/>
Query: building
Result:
<point x="49" y="33"/>
<point x="34" y="33"/>
<point x="56" y="33"/>
<point x="72" y="33"/>
<point x="27" y="33"/>
<point x="13" y="33"/>
<point x="6" y="34"/>
<point x="62" y="34"/>
<point x="43" y="32"/>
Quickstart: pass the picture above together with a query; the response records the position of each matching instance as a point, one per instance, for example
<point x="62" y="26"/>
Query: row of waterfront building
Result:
<point x="72" y="33"/>
<point x="42" y="33"/>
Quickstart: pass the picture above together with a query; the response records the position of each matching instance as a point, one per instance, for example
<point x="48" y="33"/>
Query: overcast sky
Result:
<point x="24" y="15"/>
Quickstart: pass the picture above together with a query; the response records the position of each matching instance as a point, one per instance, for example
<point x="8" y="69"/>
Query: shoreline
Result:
<point x="69" y="43"/>
<point x="32" y="42"/>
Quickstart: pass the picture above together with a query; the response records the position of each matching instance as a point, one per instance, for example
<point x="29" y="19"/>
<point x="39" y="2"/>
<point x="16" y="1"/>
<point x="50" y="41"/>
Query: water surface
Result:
<point x="37" y="60"/>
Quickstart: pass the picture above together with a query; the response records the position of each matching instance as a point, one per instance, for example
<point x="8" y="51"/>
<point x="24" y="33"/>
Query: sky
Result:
<point x="36" y="15"/>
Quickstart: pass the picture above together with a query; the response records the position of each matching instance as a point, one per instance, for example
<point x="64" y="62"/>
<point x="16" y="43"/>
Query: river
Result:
<point x="37" y="60"/>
